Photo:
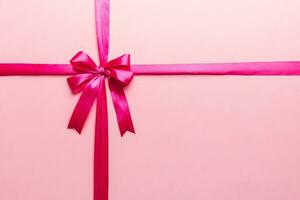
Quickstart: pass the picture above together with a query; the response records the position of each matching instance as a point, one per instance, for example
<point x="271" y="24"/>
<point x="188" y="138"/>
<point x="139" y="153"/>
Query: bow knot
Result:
<point x="103" y="71"/>
<point x="90" y="80"/>
<point x="117" y="69"/>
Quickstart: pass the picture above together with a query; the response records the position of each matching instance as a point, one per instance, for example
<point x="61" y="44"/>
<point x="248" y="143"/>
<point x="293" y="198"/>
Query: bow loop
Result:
<point x="82" y="62"/>
<point x="120" y="69"/>
<point x="122" y="61"/>
<point x="123" y="77"/>
<point x="78" y="82"/>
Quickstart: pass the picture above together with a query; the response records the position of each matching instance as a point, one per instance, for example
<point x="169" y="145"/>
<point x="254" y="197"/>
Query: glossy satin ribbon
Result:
<point x="91" y="83"/>
<point x="89" y="79"/>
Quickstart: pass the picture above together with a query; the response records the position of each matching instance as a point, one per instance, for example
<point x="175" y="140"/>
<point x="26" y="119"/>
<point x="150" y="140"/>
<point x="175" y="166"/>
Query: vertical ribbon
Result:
<point x="101" y="148"/>
<point x="102" y="14"/>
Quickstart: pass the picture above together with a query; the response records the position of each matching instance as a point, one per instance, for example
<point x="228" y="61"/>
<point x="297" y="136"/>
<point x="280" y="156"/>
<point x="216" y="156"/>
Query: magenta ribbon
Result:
<point x="91" y="83"/>
<point x="89" y="80"/>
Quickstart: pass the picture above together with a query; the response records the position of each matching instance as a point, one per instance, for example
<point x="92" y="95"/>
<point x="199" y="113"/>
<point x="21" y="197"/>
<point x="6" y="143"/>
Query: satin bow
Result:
<point x="91" y="82"/>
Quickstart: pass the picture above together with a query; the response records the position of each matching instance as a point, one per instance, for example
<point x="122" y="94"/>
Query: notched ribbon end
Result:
<point x="77" y="129"/>
<point x="130" y="130"/>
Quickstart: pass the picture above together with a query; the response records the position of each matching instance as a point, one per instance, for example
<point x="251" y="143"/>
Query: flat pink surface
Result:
<point x="235" y="138"/>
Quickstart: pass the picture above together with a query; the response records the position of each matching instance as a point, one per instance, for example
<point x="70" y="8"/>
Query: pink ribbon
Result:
<point x="91" y="83"/>
<point x="89" y="80"/>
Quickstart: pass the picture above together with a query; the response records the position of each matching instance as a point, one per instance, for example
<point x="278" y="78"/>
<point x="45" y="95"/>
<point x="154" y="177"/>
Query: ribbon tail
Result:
<point x="121" y="107"/>
<point x="101" y="146"/>
<point x="84" y="105"/>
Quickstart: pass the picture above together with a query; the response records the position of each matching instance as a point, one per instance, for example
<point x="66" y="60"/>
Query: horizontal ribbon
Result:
<point x="90" y="79"/>
<point x="279" y="68"/>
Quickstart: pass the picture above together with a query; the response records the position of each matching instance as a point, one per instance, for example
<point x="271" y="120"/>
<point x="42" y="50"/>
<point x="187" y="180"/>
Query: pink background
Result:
<point x="200" y="137"/>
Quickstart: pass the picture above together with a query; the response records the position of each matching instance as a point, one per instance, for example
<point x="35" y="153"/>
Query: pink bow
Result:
<point x="91" y="82"/>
